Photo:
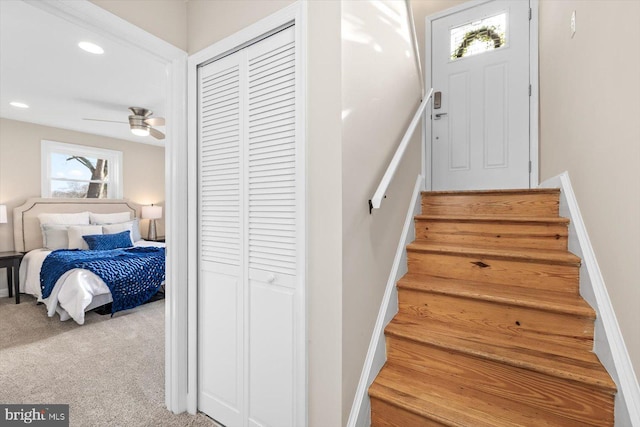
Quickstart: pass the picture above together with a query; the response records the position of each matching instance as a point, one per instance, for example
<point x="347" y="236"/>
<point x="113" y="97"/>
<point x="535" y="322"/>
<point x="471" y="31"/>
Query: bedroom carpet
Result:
<point x="110" y="370"/>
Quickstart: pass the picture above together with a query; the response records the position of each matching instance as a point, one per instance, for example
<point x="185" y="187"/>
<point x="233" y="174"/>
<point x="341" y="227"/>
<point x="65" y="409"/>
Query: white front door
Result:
<point x="480" y="116"/>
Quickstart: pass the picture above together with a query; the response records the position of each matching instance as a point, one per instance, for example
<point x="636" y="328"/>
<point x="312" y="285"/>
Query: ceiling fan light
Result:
<point x="140" y="130"/>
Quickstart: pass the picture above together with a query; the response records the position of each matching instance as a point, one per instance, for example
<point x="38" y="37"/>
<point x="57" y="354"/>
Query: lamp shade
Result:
<point x="151" y="212"/>
<point x="3" y="214"/>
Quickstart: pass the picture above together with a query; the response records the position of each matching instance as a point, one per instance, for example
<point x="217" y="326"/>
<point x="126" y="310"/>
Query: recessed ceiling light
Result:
<point x="91" y="48"/>
<point x="18" y="104"/>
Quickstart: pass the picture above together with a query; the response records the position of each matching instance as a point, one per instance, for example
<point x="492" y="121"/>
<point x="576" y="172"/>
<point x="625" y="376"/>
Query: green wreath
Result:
<point x="484" y="34"/>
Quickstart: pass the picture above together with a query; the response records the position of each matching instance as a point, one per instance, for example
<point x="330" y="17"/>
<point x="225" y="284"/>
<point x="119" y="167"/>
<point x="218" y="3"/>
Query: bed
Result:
<point x="78" y="290"/>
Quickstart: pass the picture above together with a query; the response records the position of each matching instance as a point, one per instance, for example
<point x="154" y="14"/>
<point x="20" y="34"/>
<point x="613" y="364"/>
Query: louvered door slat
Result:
<point x="220" y="158"/>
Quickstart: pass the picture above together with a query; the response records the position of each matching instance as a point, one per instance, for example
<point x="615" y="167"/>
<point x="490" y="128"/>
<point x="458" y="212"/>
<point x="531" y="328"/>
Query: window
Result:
<point x="479" y="37"/>
<point x="77" y="171"/>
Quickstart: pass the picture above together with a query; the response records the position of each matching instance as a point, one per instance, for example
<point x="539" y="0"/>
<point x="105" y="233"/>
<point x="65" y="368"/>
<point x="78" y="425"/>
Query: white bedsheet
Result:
<point x="76" y="291"/>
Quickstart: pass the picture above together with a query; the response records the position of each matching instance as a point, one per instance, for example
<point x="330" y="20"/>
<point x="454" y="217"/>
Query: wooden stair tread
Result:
<point x="518" y="203"/>
<point x="494" y="219"/>
<point x="449" y="401"/>
<point x="521" y="351"/>
<point x="559" y="302"/>
<point x="511" y="191"/>
<point x="548" y="256"/>
<point x="546" y="393"/>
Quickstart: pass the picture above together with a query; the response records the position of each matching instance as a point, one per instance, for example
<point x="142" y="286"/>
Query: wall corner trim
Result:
<point x="376" y="354"/>
<point x="610" y="347"/>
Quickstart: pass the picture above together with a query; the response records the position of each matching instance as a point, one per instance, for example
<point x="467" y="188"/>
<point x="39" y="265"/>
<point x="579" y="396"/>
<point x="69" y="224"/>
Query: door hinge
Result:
<point x="530" y="14"/>
<point x="529" y="90"/>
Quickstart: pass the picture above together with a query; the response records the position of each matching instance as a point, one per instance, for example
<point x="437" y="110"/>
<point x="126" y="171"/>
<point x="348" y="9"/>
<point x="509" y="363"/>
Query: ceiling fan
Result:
<point x="141" y="123"/>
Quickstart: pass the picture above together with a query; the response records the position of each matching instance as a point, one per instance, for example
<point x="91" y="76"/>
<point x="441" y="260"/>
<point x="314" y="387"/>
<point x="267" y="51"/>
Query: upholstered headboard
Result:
<point x="26" y="225"/>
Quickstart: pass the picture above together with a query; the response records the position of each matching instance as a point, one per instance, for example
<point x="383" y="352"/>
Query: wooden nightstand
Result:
<point x="11" y="261"/>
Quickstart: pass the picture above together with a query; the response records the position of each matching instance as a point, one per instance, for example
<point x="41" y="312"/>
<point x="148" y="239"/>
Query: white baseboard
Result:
<point x="608" y="344"/>
<point x="360" y="415"/>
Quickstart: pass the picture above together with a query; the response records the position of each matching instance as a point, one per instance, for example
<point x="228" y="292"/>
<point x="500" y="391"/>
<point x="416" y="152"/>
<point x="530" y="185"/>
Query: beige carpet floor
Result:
<point x="110" y="370"/>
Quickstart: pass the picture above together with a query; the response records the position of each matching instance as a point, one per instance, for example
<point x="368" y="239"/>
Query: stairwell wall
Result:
<point x="380" y="92"/>
<point x="589" y="109"/>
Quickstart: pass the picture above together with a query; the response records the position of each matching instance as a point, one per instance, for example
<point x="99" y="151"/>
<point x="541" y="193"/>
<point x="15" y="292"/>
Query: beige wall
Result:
<point x="143" y="169"/>
<point x="211" y="21"/>
<point x="324" y="196"/>
<point x="166" y="19"/>
<point x="590" y="126"/>
<point x="380" y="91"/>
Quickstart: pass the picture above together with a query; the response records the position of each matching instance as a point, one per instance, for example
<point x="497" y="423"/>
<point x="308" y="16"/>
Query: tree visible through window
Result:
<point x="76" y="183"/>
<point x="76" y="171"/>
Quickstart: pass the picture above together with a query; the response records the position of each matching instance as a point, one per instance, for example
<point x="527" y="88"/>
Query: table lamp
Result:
<point x="152" y="213"/>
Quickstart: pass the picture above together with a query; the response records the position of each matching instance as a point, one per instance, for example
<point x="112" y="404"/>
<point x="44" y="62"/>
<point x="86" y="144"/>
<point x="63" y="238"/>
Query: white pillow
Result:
<point x="119" y="228"/>
<point x="109" y="218"/>
<point x="135" y="232"/>
<point x="54" y="236"/>
<point x="79" y="218"/>
<point x="135" y="227"/>
<point x="77" y="231"/>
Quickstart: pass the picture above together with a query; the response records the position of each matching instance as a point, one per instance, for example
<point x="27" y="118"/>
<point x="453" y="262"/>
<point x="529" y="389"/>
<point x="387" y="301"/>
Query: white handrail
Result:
<point x="376" y="200"/>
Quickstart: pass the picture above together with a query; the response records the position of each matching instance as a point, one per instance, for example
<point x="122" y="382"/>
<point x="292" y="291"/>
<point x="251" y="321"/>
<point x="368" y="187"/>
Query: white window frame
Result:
<point x="114" y="158"/>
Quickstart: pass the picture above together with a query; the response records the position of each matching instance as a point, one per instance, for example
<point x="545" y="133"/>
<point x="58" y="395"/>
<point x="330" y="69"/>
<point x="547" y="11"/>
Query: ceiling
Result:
<point x="41" y="65"/>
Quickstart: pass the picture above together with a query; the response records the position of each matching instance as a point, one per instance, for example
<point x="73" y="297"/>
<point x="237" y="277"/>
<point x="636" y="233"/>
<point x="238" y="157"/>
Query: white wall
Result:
<point x="590" y="127"/>
<point x="380" y="92"/>
<point x="143" y="169"/>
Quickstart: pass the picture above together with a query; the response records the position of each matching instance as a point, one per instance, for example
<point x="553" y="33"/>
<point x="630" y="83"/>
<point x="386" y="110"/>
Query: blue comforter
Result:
<point x="133" y="275"/>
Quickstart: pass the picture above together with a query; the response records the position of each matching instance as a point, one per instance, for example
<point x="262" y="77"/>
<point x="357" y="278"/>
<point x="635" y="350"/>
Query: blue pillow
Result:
<point x="105" y="242"/>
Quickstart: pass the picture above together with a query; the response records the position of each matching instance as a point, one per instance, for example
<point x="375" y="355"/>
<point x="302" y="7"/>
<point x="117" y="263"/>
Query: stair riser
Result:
<point x="561" y="278"/>
<point x="579" y="403"/>
<point x="384" y="414"/>
<point x="493" y="235"/>
<point x="543" y="325"/>
<point x="518" y="205"/>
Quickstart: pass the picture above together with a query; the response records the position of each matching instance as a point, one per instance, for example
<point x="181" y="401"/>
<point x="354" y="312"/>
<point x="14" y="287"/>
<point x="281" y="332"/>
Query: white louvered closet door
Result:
<point x="272" y="222"/>
<point x="249" y="292"/>
<point x="221" y="235"/>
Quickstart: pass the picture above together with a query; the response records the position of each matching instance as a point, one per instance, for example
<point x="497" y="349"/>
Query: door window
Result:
<point x="478" y="37"/>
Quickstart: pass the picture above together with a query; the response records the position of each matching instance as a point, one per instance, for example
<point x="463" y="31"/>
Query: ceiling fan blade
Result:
<point x="110" y="121"/>
<point x="155" y="121"/>
<point x="156" y="133"/>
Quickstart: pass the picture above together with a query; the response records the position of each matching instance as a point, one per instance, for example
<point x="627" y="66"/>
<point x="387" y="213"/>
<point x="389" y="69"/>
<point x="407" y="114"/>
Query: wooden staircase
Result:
<point x="491" y="329"/>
